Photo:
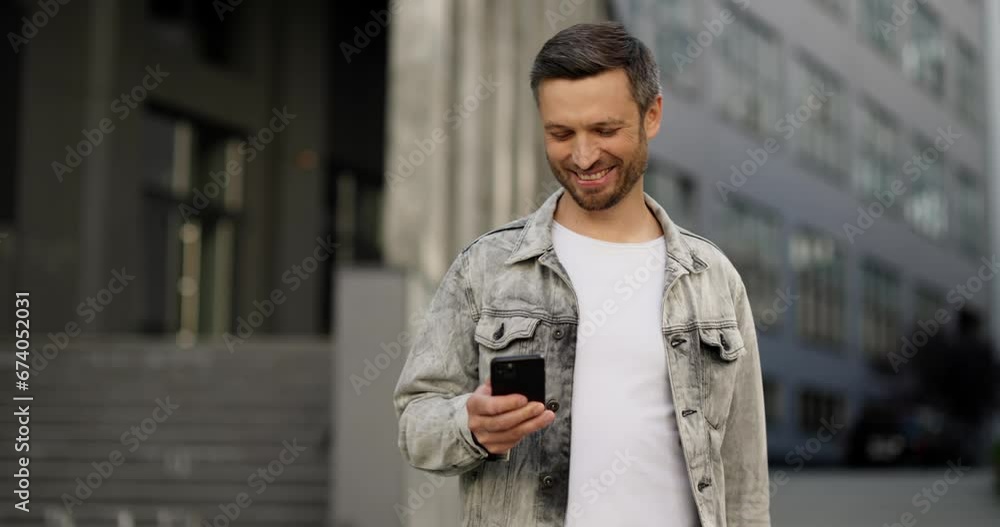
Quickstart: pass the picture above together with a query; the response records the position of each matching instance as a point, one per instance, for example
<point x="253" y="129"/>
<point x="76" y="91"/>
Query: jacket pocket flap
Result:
<point x="727" y="340"/>
<point x="496" y="332"/>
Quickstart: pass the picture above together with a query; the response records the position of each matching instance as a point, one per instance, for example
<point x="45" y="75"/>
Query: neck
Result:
<point x="629" y="221"/>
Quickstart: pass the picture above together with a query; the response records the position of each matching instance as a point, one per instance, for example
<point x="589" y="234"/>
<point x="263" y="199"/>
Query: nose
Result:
<point x="585" y="154"/>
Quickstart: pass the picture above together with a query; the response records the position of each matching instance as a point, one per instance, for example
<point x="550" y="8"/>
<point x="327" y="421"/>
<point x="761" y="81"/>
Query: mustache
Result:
<point x="590" y="171"/>
<point x="596" y="167"/>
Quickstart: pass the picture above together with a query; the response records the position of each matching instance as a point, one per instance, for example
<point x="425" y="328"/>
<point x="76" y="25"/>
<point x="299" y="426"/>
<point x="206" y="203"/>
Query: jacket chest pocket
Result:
<point x="505" y="335"/>
<point x="721" y="350"/>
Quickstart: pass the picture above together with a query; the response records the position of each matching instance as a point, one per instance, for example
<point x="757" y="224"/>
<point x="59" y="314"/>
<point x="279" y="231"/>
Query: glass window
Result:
<point x="925" y="206"/>
<point x="674" y="191"/>
<point x="676" y="23"/>
<point x="752" y="69"/>
<point x="880" y="316"/>
<point x="751" y="237"/>
<point x="909" y="34"/>
<point x="773" y="406"/>
<point x="193" y="187"/>
<point x="928" y="301"/>
<point x="196" y="28"/>
<point x="969" y="87"/>
<point x="823" y="137"/>
<point x="819" y="270"/>
<point x="816" y="405"/>
<point x="972" y="227"/>
<point x="876" y="164"/>
<point x="923" y="53"/>
<point x="875" y="20"/>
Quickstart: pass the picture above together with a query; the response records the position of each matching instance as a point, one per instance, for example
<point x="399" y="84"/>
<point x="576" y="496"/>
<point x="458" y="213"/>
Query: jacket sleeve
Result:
<point x="441" y="372"/>
<point x="744" y="446"/>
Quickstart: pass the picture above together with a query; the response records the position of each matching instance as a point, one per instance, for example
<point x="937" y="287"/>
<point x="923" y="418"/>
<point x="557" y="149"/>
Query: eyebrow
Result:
<point x="610" y="122"/>
<point x="607" y="122"/>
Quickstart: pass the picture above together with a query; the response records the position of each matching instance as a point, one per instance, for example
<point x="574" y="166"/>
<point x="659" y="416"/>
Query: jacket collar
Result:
<point x="536" y="236"/>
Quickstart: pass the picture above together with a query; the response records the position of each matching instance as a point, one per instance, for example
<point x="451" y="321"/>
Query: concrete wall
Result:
<point x="365" y="470"/>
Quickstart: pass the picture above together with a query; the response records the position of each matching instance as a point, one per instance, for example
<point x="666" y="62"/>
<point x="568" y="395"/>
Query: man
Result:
<point x="648" y="339"/>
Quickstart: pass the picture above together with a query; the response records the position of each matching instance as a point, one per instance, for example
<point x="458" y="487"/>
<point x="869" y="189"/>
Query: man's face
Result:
<point x="595" y="140"/>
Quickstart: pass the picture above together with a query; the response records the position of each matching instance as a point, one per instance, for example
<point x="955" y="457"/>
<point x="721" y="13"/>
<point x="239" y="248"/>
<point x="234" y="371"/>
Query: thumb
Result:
<point x="485" y="388"/>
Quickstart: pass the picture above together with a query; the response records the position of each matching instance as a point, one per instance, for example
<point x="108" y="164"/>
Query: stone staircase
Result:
<point x="208" y="426"/>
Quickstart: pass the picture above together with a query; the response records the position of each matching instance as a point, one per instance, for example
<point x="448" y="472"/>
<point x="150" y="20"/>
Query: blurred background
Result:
<point x="230" y="215"/>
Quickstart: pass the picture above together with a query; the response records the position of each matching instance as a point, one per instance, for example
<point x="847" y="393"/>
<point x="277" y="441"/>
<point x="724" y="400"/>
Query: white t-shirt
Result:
<point x="626" y="464"/>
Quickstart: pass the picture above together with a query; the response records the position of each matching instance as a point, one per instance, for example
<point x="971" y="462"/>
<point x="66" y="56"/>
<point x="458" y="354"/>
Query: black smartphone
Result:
<point x="523" y="374"/>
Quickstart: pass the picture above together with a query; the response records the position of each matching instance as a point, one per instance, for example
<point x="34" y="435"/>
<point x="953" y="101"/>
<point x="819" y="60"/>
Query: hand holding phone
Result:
<point x="501" y="421"/>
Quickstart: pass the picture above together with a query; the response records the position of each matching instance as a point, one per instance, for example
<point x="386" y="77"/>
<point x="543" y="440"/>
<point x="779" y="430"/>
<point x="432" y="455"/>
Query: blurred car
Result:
<point x="894" y="434"/>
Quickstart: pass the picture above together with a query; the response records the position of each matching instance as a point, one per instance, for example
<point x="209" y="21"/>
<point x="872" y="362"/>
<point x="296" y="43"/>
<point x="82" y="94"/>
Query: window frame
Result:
<point x="833" y="116"/>
<point x="744" y="47"/>
<point x="751" y="236"/>
<point x="877" y="149"/>
<point x="881" y="322"/>
<point x="820" y="285"/>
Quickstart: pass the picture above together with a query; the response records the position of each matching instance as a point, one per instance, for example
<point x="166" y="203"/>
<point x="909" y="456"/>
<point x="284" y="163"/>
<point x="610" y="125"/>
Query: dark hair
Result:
<point x="585" y="50"/>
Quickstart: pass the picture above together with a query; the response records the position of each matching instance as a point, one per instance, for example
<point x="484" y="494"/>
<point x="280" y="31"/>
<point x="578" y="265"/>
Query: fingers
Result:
<point x="527" y="427"/>
<point x="514" y="435"/>
<point x="513" y="418"/>
<point x="500" y="443"/>
<point x="483" y="402"/>
<point x="499" y="404"/>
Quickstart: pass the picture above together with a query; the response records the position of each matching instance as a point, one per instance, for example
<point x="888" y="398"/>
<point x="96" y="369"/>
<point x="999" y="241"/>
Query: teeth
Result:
<point x="595" y="176"/>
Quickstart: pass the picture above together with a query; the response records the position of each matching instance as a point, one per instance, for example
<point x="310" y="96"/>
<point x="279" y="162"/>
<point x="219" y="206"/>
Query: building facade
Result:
<point x="837" y="152"/>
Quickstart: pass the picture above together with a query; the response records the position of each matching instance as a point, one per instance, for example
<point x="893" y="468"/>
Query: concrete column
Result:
<point x="467" y="117"/>
<point x="365" y="471"/>
<point x="417" y="227"/>
<point x="510" y="77"/>
<point x="419" y="210"/>
<point x="528" y="153"/>
<point x="299" y="179"/>
<point x="47" y="246"/>
<point x="991" y="70"/>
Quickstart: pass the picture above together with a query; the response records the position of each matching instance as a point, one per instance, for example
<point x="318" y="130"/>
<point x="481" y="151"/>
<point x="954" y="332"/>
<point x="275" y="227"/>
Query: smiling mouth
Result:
<point x="597" y="178"/>
<point x="593" y="176"/>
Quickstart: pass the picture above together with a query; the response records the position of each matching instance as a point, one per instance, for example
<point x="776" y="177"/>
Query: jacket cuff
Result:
<point x="492" y="457"/>
<point x="461" y="422"/>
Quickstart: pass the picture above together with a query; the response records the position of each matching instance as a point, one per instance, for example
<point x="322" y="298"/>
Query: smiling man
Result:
<point x="654" y="410"/>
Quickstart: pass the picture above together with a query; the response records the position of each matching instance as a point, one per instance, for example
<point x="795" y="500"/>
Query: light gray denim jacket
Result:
<point x="507" y="294"/>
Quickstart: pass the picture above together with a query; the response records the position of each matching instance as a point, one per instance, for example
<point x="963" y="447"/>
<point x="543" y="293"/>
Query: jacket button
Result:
<point x="499" y="332"/>
<point x="702" y="485"/>
<point x="548" y="481"/>
<point x="677" y="341"/>
<point x="688" y="412"/>
<point x="552" y="405"/>
<point x="558" y="333"/>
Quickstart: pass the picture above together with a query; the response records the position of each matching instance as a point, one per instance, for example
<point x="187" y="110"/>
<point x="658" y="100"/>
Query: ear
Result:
<point x="653" y="117"/>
